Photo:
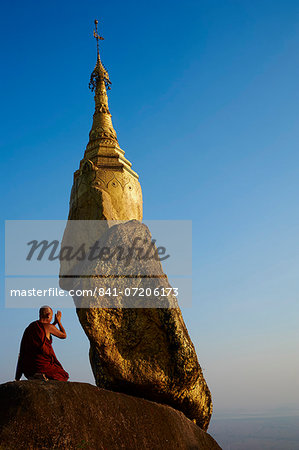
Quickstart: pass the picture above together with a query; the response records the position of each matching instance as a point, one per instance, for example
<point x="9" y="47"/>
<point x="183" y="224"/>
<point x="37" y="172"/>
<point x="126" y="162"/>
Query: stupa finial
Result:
<point x="99" y="72"/>
<point x="102" y="129"/>
<point x="97" y="36"/>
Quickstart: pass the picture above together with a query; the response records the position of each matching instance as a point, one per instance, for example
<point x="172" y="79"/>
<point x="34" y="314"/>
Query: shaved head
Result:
<point x="45" y="312"/>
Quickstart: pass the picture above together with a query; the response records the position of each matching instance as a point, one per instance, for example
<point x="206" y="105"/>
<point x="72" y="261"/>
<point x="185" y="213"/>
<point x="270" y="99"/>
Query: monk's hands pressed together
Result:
<point x="61" y="334"/>
<point x="57" y="317"/>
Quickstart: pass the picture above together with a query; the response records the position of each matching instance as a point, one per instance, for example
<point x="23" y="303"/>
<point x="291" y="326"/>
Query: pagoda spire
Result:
<point x="103" y="149"/>
<point x="102" y="130"/>
<point x="105" y="186"/>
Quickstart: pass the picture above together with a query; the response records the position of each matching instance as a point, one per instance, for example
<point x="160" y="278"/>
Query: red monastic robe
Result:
<point x="37" y="355"/>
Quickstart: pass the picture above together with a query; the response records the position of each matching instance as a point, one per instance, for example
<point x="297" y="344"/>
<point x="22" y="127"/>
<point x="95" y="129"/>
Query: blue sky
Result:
<point x="204" y="100"/>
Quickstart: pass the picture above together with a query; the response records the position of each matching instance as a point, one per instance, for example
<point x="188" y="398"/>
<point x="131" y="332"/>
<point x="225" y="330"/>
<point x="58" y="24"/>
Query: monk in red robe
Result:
<point x="37" y="358"/>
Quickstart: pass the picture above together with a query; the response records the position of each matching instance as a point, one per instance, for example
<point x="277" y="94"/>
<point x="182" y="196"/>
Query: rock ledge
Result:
<point x="43" y="415"/>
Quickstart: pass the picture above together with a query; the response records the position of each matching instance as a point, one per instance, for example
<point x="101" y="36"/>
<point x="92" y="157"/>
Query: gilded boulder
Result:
<point x="138" y="345"/>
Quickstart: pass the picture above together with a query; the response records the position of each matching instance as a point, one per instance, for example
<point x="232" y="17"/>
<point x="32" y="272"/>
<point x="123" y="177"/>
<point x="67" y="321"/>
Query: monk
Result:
<point x="37" y="359"/>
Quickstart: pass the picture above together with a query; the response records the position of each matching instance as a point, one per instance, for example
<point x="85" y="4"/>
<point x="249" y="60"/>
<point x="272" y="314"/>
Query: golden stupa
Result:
<point x="105" y="186"/>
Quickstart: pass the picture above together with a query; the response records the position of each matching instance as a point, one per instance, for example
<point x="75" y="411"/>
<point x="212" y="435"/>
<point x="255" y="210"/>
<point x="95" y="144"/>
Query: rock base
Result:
<point x="57" y="415"/>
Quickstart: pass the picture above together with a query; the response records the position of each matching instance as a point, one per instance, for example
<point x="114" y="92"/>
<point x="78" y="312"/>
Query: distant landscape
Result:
<point x="256" y="432"/>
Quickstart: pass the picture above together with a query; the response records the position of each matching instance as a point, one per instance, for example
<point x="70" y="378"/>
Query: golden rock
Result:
<point x="139" y="344"/>
<point x="141" y="350"/>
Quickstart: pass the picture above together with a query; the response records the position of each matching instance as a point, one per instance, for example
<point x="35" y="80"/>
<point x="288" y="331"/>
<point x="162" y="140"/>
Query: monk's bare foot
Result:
<point x="38" y="376"/>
